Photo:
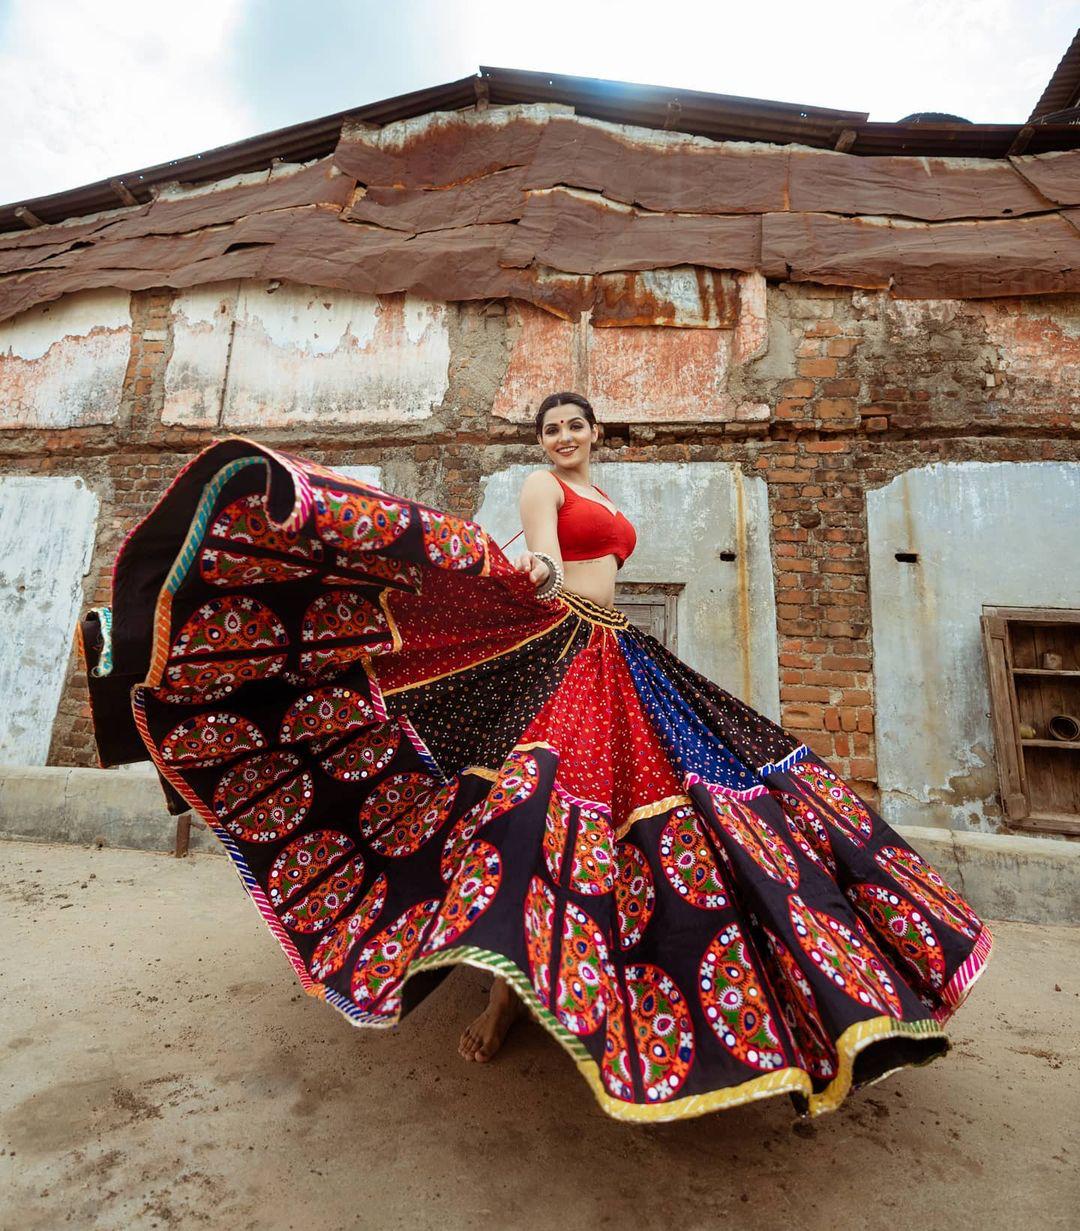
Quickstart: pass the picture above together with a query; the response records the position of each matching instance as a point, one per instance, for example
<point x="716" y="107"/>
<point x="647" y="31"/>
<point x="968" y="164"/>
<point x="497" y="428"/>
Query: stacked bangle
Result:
<point x="553" y="585"/>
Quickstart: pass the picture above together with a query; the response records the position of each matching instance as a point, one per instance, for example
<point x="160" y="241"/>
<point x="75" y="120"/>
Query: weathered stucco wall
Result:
<point x="687" y="515"/>
<point x="850" y="388"/>
<point x="688" y="371"/>
<point x="47" y="528"/>
<point x="986" y="534"/>
<point x="264" y="355"/>
<point x="62" y="365"/>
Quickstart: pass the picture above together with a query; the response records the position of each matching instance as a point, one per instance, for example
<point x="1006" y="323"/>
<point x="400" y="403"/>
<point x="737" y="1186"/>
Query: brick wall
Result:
<point x="861" y="389"/>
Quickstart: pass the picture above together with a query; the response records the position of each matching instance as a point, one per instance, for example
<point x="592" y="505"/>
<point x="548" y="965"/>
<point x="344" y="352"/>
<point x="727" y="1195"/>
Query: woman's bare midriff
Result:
<point x="592" y="579"/>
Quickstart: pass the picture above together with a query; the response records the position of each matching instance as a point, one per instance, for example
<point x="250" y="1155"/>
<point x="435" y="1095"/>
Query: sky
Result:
<point x="90" y="89"/>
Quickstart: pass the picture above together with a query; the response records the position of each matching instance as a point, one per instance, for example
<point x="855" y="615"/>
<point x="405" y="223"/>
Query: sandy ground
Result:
<point x="161" y="1068"/>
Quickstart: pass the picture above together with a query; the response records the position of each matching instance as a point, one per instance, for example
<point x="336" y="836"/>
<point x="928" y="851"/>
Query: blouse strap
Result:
<point x="565" y="486"/>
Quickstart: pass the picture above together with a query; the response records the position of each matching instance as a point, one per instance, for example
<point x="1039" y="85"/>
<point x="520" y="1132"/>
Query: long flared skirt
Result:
<point x="413" y="762"/>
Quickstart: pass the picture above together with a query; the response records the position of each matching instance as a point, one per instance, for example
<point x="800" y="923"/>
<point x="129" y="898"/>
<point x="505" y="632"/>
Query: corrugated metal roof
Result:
<point x="297" y="143"/>
<point x="724" y="117"/>
<point x="717" y="116"/>
<point x="1063" y="88"/>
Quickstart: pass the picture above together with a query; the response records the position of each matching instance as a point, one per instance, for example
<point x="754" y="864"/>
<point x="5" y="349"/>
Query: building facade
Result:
<point x="839" y="388"/>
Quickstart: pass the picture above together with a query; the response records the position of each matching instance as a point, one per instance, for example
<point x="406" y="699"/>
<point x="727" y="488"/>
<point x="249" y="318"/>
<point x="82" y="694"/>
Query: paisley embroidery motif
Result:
<point x="899" y="925"/>
<point x="471" y="892"/>
<point x="450" y="542"/>
<point x="359" y="522"/>
<point x="381" y="966"/>
<point x="332" y="951"/>
<point x="844" y="958"/>
<point x="734" y="1002"/>
<point x="210" y="739"/>
<point x="755" y="837"/>
<point x="404" y="811"/>
<point x="264" y="798"/>
<point x="688" y="861"/>
<point x="303" y="861"/>
<point x="663" y="1031"/>
<point x="635" y="894"/>
<point x="844" y="811"/>
<point x="928" y="889"/>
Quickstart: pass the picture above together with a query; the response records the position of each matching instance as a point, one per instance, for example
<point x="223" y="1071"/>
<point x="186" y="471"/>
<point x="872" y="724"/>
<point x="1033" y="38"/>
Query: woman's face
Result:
<point x="567" y="436"/>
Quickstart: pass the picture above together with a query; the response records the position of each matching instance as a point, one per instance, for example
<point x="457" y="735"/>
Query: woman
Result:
<point x="419" y="755"/>
<point x="566" y="428"/>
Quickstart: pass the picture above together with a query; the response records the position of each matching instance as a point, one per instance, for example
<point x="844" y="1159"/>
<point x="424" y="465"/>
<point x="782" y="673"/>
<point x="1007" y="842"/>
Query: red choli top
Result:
<point x="587" y="529"/>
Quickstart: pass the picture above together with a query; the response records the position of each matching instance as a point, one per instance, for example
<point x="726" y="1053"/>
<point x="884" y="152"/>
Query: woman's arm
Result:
<point x="539" y="508"/>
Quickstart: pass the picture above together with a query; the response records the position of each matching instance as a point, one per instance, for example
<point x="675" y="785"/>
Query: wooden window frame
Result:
<point x="663" y="595"/>
<point x="1005" y="716"/>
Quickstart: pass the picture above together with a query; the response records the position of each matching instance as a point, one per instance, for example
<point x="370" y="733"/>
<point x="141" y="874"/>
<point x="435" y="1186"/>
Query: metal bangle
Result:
<point x="553" y="584"/>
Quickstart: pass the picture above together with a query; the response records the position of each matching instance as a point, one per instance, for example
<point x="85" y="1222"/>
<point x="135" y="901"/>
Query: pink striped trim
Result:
<point x="260" y="899"/>
<point x="571" y="798"/>
<point x="378" y="701"/>
<point x="956" y="990"/>
<point x="422" y="750"/>
<point x="303" y="496"/>
<point x="730" y="792"/>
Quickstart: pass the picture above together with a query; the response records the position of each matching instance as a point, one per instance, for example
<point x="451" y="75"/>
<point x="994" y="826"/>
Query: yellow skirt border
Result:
<point x="783" y="1081"/>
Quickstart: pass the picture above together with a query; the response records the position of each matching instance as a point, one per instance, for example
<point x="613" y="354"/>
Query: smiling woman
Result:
<point x="570" y="521"/>
<point x="419" y="754"/>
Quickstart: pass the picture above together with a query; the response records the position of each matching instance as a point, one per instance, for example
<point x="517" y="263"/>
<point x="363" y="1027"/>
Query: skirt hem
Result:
<point x="789" y="1080"/>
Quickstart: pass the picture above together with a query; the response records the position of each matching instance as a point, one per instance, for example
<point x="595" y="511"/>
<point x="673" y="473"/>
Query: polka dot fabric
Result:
<point x="413" y="763"/>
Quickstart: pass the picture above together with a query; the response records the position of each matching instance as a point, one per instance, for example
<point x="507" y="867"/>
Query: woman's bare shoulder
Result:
<point x="541" y="485"/>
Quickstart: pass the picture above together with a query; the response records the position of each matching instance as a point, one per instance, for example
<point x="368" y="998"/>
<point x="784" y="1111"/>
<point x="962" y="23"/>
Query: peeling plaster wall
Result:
<point x="47" y="528"/>
<point x="987" y="534"/>
<point x="860" y="388"/>
<point x="62" y="365"/>
<point x="685" y="515"/>
<point x="682" y="370"/>
<point x="259" y="354"/>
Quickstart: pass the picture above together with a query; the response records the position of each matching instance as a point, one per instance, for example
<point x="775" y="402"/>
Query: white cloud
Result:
<point x="986" y="60"/>
<point x="94" y="89"/>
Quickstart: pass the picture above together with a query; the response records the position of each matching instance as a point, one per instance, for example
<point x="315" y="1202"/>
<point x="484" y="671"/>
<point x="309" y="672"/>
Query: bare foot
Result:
<point x="482" y="1038"/>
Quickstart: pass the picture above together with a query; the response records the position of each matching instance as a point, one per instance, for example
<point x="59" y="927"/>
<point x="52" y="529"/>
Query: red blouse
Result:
<point x="588" y="529"/>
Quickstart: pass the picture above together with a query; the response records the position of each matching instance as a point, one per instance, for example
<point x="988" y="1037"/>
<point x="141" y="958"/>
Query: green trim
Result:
<point x="497" y="964"/>
<point x="199" y="522"/>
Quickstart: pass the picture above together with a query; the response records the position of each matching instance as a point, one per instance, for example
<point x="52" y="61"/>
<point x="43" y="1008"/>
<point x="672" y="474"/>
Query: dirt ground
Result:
<point x="161" y="1068"/>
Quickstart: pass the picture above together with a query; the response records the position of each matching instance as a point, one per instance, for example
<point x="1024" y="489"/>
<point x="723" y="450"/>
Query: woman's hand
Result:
<point x="528" y="563"/>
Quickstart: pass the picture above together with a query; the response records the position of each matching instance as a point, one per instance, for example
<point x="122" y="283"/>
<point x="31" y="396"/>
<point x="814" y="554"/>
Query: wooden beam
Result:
<point x="123" y="192"/>
<point x="846" y="140"/>
<point x="27" y="217"/>
<point x="1020" y="141"/>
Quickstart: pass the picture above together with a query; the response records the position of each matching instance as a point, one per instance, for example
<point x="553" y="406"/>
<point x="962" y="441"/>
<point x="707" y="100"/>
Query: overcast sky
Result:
<point x="95" y="88"/>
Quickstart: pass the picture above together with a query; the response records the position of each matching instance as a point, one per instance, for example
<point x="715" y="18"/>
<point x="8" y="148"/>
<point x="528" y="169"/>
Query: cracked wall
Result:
<point x="858" y="389"/>
<point x="986" y="534"/>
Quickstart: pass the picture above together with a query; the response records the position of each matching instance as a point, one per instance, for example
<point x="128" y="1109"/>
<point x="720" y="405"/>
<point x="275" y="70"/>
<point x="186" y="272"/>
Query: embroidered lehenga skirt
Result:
<point x="413" y="762"/>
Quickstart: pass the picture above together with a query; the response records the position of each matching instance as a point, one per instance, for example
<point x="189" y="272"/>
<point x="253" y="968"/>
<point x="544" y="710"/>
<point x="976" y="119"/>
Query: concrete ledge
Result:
<point x="91" y="807"/>
<point x="1006" y="876"/>
<point x="1032" y="880"/>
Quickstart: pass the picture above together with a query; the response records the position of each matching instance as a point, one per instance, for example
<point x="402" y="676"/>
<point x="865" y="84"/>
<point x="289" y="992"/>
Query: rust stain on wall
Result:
<point x="652" y="373"/>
